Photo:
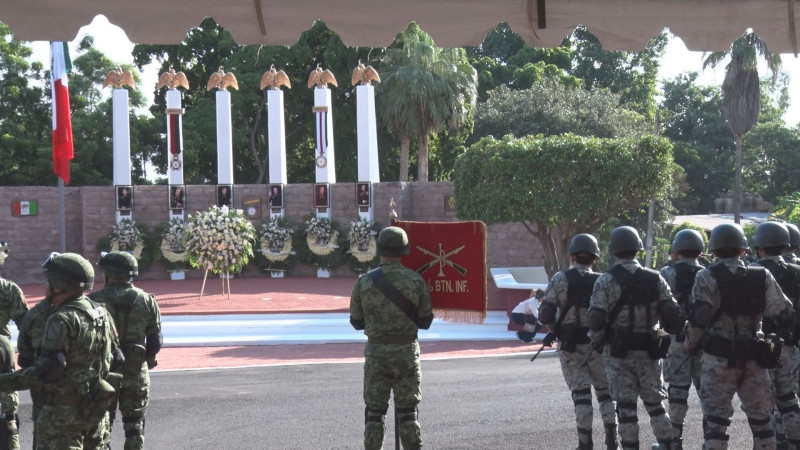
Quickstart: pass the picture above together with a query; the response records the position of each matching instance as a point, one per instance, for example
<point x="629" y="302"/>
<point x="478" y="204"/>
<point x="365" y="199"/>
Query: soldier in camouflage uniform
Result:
<point x="391" y="303"/>
<point x="728" y="300"/>
<point x="770" y="240"/>
<point x="626" y="306"/>
<point x="76" y="354"/>
<point x="12" y="307"/>
<point x="29" y="339"/>
<point x="681" y="368"/>
<point x="565" y="312"/>
<point x="138" y="320"/>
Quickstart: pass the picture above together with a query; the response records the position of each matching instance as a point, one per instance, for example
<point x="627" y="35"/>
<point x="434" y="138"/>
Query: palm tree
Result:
<point x="741" y="94"/>
<point x="424" y="89"/>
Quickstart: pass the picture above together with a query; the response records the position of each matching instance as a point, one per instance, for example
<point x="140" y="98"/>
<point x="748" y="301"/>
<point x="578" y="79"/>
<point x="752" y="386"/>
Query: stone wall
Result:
<point x="90" y="214"/>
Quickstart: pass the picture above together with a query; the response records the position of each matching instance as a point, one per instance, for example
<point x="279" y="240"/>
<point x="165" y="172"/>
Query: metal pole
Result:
<point x="651" y="213"/>
<point x="62" y="213"/>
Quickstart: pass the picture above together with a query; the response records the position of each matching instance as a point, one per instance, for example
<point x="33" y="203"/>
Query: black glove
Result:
<point x="548" y="340"/>
<point x="117" y="360"/>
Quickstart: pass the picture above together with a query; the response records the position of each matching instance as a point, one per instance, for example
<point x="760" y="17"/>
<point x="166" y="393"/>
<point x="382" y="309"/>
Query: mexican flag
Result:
<point x="60" y="66"/>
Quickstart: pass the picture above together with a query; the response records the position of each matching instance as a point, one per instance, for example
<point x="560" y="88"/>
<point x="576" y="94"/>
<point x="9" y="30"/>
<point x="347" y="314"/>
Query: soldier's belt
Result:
<point x="392" y="339"/>
<point x="724" y="348"/>
<point x="56" y="399"/>
<point x="633" y="341"/>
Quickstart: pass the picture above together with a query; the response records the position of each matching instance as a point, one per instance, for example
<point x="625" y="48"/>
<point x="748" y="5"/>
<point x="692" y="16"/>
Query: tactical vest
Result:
<point x="579" y="290"/>
<point x="787" y="276"/>
<point x="685" y="274"/>
<point x="99" y="322"/>
<point x="742" y="294"/>
<point x="639" y="288"/>
<point x="120" y="309"/>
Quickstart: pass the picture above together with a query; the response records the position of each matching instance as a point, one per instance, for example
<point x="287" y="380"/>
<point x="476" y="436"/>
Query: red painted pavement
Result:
<point x="262" y="295"/>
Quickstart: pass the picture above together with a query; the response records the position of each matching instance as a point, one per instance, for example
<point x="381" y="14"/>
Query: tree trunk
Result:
<point x="423" y="158"/>
<point x="405" y="143"/>
<point x="737" y="183"/>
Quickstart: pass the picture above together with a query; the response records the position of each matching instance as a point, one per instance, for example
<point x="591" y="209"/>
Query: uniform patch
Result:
<point x="55" y="332"/>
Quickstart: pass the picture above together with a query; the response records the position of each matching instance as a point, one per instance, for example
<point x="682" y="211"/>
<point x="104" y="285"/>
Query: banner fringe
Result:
<point x="460" y="316"/>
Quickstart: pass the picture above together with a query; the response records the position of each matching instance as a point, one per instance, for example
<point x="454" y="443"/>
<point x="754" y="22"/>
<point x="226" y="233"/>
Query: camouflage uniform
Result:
<point x="12" y="307"/>
<point x="784" y="378"/>
<point x="637" y="374"/>
<point x="391" y="354"/>
<point x="681" y="368"/>
<point x="718" y="379"/>
<point x="573" y="346"/>
<point x="137" y="316"/>
<point x="31" y="333"/>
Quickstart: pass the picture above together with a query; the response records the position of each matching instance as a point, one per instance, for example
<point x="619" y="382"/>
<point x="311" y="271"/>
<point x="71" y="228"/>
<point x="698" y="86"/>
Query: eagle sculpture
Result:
<point x="365" y="75"/>
<point x="321" y="78"/>
<point x="274" y="79"/>
<point x="222" y="80"/>
<point x="172" y="80"/>
<point x="118" y="78"/>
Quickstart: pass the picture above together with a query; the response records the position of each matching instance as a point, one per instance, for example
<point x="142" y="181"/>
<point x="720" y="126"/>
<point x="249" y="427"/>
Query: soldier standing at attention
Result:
<point x="682" y="369"/>
<point x="770" y="240"/>
<point x="626" y="306"/>
<point x="12" y="307"/>
<point x="728" y="301"/>
<point x="391" y="303"/>
<point x="31" y="333"/>
<point x="138" y="320"/>
<point x="565" y="312"/>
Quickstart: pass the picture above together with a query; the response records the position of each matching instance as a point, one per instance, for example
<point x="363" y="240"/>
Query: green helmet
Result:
<point x="119" y="264"/>
<point x="688" y="239"/>
<point x="794" y="235"/>
<point x="584" y="243"/>
<point x="68" y="271"/>
<point x="624" y="239"/>
<point x="771" y="234"/>
<point x="727" y="235"/>
<point x="392" y="241"/>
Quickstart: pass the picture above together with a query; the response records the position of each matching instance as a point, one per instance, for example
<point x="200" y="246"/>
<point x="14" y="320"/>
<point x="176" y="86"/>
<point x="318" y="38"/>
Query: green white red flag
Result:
<point x="60" y="66"/>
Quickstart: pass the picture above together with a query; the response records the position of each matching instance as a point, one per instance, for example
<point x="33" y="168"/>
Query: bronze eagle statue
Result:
<point x="321" y="78"/>
<point x="222" y="80"/>
<point x="365" y="75"/>
<point x="274" y="79"/>
<point x="118" y="78"/>
<point x="172" y="80"/>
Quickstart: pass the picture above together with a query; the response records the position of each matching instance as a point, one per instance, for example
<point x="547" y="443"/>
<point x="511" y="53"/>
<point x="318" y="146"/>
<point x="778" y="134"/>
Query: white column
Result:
<point x="367" y="143"/>
<point x="324" y="153"/>
<point x="121" y="140"/>
<point x="276" y="135"/>
<point x="175" y="162"/>
<point x="224" y="138"/>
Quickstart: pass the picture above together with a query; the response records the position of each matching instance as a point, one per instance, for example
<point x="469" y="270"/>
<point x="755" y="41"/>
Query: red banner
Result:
<point x="451" y="257"/>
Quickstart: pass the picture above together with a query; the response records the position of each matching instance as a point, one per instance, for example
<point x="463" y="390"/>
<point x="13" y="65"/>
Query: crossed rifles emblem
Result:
<point x="441" y="259"/>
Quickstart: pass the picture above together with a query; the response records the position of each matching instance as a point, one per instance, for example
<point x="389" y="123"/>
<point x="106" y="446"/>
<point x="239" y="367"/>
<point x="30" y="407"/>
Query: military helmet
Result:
<point x="3" y="251"/>
<point x="392" y="241"/>
<point x="68" y="271"/>
<point x="688" y="240"/>
<point x="771" y="234"/>
<point x="584" y="243"/>
<point x="794" y="235"/>
<point x="727" y="235"/>
<point x="624" y="239"/>
<point x="119" y="264"/>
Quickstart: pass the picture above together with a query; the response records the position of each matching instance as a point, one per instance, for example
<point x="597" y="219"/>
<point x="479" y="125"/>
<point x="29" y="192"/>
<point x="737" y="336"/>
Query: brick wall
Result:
<point x="90" y="214"/>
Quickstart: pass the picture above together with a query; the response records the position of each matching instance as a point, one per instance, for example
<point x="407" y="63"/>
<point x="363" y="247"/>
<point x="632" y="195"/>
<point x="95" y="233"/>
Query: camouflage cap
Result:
<point x="392" y="241"/>
<point x="68" y="271"/>
<point x="119" y="264"/>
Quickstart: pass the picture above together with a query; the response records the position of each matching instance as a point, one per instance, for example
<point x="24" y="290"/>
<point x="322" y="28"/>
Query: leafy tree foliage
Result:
<point x="578" y="183"/>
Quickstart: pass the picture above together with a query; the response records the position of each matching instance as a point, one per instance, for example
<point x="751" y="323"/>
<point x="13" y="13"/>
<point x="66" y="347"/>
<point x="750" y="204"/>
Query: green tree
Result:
<point x="424" y="89"/>
<point x="550" y="108"/>
<point x="741" y="94"/>
<point x="578" y="184"/>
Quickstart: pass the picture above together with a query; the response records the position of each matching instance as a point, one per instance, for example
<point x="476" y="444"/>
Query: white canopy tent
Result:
<point x="706" y="25"/>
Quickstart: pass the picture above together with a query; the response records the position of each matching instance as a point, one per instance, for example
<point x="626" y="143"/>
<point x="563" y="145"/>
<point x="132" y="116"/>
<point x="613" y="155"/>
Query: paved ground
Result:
<point x="277" y="296"/>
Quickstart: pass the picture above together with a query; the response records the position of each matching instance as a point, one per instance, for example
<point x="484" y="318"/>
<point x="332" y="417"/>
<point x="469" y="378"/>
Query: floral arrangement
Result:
<point x="128" y="236"/>
<point x="275" y="252"/>
<point x="219" y="240"/>
<point x="321" y="236"/>
<point x="172" y="249"/>
<point x="362" y="245"/>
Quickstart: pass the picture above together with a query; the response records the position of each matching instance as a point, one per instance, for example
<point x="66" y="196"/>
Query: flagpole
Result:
<point x="62" y="213"/>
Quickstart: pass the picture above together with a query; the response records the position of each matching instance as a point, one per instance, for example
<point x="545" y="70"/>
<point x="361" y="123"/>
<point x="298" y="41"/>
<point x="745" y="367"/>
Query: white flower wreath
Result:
<point x="321" y="237"/>
<point x="276" y="241"/>
<point x="362" y="240"/>
<point x="172" y="241"/>
<point x="126" y="237"/>
<point x="219" y="240"/>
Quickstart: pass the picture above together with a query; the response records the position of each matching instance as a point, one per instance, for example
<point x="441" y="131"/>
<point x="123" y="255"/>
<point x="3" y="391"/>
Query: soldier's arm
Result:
<point x="598" y="309"/>
<point x="702" y="300"/>
<point x="51" y="362"/>
<point x="154" y="340"/>
<point x="670" y="315"/>
<point x="779" y="306"/>
<point x="17" y="305"/>
<point x="549" y="307"/>
<point x="356" y="312"/>
<point x="424" y="307"/>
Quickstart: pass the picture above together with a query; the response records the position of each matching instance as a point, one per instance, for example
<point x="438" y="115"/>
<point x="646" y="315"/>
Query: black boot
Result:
<point x="611" y="437"/>
<point x="677" y="442"/>
<point x="585" y="439"/>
